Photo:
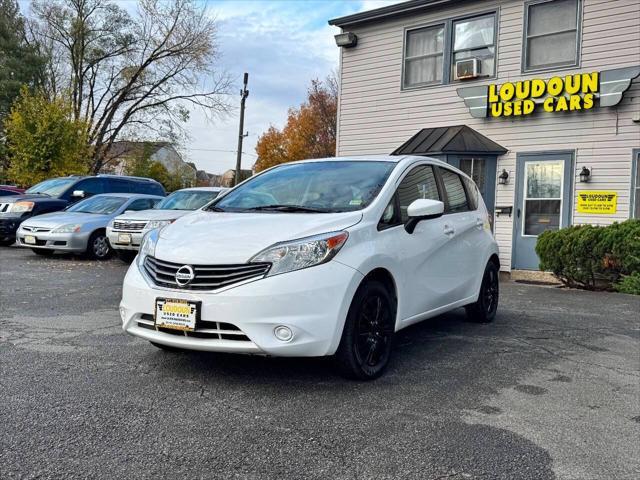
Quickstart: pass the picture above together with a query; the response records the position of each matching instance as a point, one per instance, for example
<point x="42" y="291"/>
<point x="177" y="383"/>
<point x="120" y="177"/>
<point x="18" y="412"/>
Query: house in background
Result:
<point x="537" y="100"/>
<point x="122" y="153"/>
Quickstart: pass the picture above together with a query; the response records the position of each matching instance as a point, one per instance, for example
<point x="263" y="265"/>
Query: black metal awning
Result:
<point x="459" y="139"/>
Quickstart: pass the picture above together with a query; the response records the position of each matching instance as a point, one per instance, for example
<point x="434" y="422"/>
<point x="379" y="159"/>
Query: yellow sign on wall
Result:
<point x="557" y="94"/>
<point x="597" y="201"/>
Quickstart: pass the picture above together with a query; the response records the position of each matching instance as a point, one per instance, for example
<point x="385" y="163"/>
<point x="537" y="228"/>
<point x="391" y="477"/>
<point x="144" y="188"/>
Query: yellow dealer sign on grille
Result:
<point x="597" y="201"/>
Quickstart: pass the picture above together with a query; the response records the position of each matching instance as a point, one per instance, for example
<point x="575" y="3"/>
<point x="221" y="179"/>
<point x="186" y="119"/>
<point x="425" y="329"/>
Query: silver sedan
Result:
<point x="81" y="228"/>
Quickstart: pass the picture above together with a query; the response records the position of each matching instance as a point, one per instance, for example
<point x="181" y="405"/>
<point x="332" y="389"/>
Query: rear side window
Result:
<point x="149" y="188"/>
<point x="117" y="185"/>
<point x="455" y="191"/>
<point x="472" y="193"/>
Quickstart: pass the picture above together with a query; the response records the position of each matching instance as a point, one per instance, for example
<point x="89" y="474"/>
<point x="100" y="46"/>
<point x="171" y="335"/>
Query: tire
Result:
<point x="7" y="241"/>
<point x="485" y="308"/>
<point x="98" y="247"/>
<point x="42" y="252"/>
<point x="126" y="256"/>
<point x="166" y="348"/>
<point x="367" y="337"/>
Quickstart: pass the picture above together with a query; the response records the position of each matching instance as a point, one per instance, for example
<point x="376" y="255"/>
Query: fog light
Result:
<point x="282" y="333"/>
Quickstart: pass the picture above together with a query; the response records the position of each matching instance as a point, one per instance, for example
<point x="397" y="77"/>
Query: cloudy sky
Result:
<point x="283" y="45"/>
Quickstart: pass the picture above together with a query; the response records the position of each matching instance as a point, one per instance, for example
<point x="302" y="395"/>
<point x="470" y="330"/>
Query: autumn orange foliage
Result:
<point x="310" y="131"/>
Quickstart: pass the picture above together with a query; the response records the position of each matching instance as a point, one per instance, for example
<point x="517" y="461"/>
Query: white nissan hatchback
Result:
<point x="320" y="257"/>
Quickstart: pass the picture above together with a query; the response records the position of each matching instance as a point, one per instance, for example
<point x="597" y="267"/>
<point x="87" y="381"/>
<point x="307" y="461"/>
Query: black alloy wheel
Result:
<point x="485" y="308"/>
<point x="367" y="338"/>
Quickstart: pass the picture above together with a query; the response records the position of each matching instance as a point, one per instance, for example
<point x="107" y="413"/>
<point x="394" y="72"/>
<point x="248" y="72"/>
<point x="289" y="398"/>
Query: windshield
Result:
<point x="53" y="187"/>
<point x="186" y="200"/>
<point x="328" y="186"/>
<point x="98" y="204"/>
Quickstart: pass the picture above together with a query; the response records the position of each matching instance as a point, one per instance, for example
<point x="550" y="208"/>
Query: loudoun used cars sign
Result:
<point x="574" y="92"/>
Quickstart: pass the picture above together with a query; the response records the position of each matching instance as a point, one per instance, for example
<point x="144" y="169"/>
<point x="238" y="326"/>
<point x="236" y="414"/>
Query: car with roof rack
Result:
<point x="56" y="194"/>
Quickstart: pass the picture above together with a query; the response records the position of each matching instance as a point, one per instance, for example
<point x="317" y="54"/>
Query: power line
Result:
<point x="218" y="150"/>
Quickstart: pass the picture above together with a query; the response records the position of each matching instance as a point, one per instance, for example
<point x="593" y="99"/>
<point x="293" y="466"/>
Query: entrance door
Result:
<point x="543" y="202"/>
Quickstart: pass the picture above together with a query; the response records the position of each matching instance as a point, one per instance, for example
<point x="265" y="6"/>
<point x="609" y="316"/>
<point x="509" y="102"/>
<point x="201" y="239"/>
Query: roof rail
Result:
<point x="130" y="177"/>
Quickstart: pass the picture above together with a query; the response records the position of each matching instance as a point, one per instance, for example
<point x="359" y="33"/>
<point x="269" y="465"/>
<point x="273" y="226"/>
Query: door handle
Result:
<point x="518" y="213"/>
<point x="449" y="230"/>
<point x="479" y="222"/>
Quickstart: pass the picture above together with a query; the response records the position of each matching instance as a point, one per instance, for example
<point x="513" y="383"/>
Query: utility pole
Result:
<point x="244" y="93"/>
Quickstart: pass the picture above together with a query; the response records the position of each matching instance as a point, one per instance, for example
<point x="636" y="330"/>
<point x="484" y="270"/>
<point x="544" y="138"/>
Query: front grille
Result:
<point x="5" y="207"/>
<point x="129" y="226"/>
<point x="204" y="329"/>
<point x="207" y="277"/>
<point x="35" y="229"/>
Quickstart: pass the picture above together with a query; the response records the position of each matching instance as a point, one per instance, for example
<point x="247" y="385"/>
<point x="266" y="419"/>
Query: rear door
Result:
<point x="463" y="224"/>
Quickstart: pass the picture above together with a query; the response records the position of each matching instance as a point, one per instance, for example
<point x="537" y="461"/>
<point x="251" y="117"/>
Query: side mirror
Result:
<point x="78" y="194"/>
<point x="422" y="209"/>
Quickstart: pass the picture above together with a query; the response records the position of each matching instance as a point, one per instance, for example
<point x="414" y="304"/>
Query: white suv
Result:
<point x="320" y="257"/>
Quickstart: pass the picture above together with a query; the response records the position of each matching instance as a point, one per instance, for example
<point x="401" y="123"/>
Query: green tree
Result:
<point x="20" y="64"/>
<point x="44" y="140"/>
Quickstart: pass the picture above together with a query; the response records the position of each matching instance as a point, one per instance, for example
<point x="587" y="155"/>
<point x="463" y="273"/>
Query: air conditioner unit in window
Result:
<point x="467" y="68"/>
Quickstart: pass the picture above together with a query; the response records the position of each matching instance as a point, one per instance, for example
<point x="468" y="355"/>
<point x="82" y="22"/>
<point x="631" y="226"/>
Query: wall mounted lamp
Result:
<point x="585" y="175"/>
<point x="346" y="39"/>
<point x="503" y="178"/>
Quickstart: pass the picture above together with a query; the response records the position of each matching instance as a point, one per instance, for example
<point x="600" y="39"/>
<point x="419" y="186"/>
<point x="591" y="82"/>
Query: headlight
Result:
<point x="20" y="207"/>
<point x="70" y="228"/>
<point x="157" y="224"/>
<point x="302" y="253"/>
<point x="148" y="246"/>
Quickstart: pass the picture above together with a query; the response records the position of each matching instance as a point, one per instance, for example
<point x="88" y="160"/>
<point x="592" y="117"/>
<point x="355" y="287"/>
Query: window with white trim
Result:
<point x="475" y="38"/>
<point x="424" y="52"/>
<point x="551" y="34"/>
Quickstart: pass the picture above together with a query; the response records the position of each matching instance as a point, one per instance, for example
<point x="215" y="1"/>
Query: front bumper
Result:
<point x="134" y="245"/>
<point x="312" y="302"/>
<point x="9" y="225"/>
<point x="64" y="242"/>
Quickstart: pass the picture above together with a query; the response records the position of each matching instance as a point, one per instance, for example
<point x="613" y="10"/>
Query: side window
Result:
<point x="90" y="186"/>
<point x="117" y="185"/>
<point x="472" y="193"/>
<point x="455" y="190"/>
<point x="418" y="183"/>
<point x="551" y="34"/>
<point x="141" y="204"/>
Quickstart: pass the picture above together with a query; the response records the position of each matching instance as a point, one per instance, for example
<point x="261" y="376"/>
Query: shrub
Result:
<point x="591" y="257"/>
<point x="629" y="284"/>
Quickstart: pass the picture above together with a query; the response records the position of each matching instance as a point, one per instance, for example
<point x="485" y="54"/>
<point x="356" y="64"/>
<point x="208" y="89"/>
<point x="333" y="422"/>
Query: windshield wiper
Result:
<point x="38" y="193"/>
<point x="287" y="208"/>
<point x="213" y="208"/>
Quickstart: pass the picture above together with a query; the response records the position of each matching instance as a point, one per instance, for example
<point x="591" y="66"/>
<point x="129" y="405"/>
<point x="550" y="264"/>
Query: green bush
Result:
<point x="629" y="284"/>
<point x="591" y="257"/>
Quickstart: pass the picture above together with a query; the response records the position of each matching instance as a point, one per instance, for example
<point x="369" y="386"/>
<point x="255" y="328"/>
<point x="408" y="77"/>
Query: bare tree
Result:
<point x="132" y="73"/>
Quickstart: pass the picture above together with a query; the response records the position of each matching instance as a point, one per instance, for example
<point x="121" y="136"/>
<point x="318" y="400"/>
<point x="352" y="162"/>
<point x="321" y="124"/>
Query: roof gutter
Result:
<point x="390" y="11"/>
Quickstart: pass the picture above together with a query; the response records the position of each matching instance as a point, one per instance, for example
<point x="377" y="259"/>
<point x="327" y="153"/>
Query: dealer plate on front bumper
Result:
<point x="124" y="238"/>
<point x="176" y="314"/>
<point x="30" y="239"/>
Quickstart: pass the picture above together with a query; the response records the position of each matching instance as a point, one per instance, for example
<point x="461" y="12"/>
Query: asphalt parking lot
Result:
<point x="550" y="390"/>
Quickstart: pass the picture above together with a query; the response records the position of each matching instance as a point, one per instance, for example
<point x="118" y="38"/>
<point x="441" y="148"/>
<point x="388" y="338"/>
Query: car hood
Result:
<point x="224" y="237"/>
<point x="57" y="219"/>
<point x="153" y="214"/>
<point x="32" y="197"/>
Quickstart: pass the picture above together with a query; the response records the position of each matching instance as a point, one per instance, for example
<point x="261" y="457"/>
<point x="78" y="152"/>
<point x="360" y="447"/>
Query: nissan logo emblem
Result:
<point x="184" y="275"/>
